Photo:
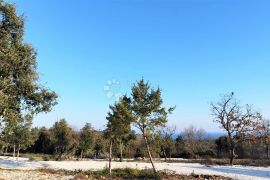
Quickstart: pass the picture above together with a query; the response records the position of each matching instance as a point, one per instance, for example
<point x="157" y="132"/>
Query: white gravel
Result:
<point x="30" y="175"/>
<point x="235" y="172"/>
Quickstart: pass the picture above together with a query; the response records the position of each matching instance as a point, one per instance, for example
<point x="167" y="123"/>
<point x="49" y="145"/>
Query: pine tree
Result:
<point x="119" y="124"/>
<point x="147" y="111"/>
<point x="86" y="141"/>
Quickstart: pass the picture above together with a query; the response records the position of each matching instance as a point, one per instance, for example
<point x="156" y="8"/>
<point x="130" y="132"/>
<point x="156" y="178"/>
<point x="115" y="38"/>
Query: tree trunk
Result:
<point x="14" y="151"/>
<point x="267" y="152"/>
<point x="18" y="151"/>
<point x="149" y="153"/>
<point x="110" y="158"/>
<point x="81" y="154"/>
<point x="3" y="151"/>
<point x="121" y="151"/>
<point x="164" y="153"/>
<point x="232" y="151"/>
<point x="232" y="156"/>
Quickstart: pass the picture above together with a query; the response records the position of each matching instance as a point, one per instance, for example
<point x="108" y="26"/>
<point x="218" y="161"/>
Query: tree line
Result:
<point x="61" y="142"/>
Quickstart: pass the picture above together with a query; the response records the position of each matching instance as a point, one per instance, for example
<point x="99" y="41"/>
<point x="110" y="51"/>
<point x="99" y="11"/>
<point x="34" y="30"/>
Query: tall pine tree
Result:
<point x="147" y="111"/>
<point x="119" y="124"/>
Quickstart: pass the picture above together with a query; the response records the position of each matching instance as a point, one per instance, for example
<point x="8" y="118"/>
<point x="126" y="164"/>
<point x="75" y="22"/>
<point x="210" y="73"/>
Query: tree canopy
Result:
<point x="21" y="93"/>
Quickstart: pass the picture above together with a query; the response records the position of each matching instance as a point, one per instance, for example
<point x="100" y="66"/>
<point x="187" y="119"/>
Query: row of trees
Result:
<point x="64" y="142"/>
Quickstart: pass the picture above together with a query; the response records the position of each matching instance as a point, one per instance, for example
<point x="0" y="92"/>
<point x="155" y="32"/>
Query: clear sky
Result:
<point x="195" y="50"/>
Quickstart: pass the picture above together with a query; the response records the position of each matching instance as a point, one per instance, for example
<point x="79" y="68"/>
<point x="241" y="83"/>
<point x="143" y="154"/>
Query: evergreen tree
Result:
<point x="62" y="136"/>
<point x="43" y="143"/>
<point x="86" y="141"/>
<point x="147" y="111"/>
<point x="119" y="124"/>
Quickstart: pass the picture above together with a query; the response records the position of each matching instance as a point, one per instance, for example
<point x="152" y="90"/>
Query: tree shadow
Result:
<point x="239" y="171"/>
<point x="13" y="164"/>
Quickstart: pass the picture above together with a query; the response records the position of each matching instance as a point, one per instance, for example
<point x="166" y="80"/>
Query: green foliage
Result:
<point x="100" y="145"/>
<point x="18" y="70"/>
<point x="222" y="144"/>
<point x="87" y="138"/>
<point x="21" y="95"/>
<point x="44" y="142"/>
<point x="62" y="137"/>
<point x="119" y="124"/>
<point x="179" y="145"/>
<point x="147" y="109"/>
<point x="119" y="120"/>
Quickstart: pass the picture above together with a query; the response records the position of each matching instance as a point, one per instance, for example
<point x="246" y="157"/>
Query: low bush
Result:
<point x="127" y="173"/>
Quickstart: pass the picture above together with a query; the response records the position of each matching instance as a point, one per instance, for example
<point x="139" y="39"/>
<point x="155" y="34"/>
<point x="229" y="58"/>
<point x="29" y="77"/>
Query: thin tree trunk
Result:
<point x="81" y="154"/>
<point x="267" y="152"/>
<point x="110" y="158"/>
<point x="232" y="149"/>
<point x="232" y="156"/>
<point x="3" y="151"/>
<point x="164" y="153"/>
<point x="14" y="151"/>
<point x="149" y="153"/>
<point x="121" y="151"/>
<point x="18" y="151"/>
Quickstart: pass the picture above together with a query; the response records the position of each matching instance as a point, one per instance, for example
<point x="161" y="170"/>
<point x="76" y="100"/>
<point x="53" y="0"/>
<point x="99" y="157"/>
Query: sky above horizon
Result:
<point x="90" y="52"/>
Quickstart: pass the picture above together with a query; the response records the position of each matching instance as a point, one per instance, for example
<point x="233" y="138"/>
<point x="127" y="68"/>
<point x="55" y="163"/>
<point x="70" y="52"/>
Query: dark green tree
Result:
<point x="147" y="111"/>
<point x="100" y="144"/>
<point x="222" y="144"/>
<point x="179" y="145"/>
<point x="119" y="124"/>
<point x="62" y="136"/>
<point x="44" y="142"/>
<point x="25" y="135"/>
<point x="87" y="139"/>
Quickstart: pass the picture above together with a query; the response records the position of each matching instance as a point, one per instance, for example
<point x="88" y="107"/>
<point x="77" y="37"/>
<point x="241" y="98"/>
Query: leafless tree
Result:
<point x="167" y="144"/>
<point x="195" y="139"/>
<point x="235" y="120"/>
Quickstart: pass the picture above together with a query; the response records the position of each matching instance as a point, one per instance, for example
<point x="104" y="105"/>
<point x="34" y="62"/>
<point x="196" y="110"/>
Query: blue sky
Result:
<point x="194" y="50"/>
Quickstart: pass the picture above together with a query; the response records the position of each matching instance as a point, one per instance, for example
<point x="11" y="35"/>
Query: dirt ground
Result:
<point x="31" y="175"/>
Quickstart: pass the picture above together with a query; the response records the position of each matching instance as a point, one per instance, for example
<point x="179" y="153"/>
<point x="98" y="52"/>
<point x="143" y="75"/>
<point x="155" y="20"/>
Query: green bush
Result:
<point x="187" y="155"/>
<point x="46" y="157"/>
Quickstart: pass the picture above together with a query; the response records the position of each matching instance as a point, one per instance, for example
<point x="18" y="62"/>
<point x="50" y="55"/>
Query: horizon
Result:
<point x="92" y="52"/>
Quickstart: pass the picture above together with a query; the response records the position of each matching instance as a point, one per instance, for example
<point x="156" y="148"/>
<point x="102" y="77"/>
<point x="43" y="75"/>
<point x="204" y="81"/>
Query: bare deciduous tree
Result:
<point x="236" y="122"/>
